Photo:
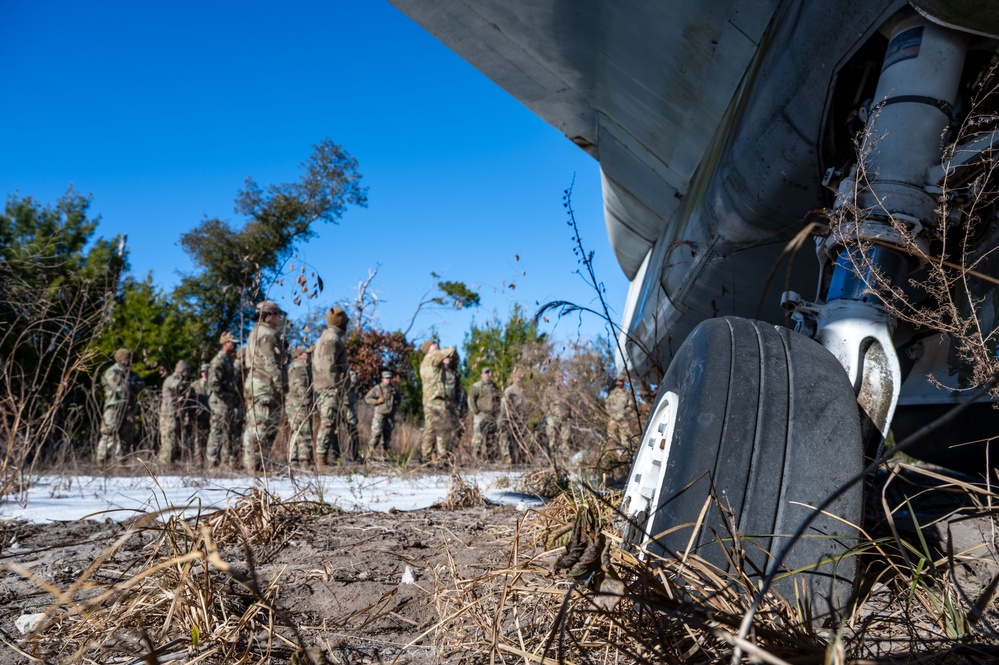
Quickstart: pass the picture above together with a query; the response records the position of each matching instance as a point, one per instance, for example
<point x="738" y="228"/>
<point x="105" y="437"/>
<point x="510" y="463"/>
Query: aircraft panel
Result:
<point x="664" y="72"/>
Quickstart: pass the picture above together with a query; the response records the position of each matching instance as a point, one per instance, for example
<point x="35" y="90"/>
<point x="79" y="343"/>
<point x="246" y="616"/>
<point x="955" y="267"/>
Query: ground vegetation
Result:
<point x="298" y="581"/>
<point x="58" y="285"/>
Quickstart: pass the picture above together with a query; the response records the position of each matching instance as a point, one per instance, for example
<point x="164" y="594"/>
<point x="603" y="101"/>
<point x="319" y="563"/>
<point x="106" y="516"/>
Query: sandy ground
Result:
<point x="359" y="586"/>
<point x="367" y="586"/>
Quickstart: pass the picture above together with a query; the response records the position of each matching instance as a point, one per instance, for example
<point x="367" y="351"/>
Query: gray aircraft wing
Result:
<point x="718" y="125"/>
<point x="642" y="86"/>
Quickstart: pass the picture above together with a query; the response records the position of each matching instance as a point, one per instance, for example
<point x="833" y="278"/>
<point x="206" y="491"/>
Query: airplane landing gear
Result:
<point x="753" y="424"/>
<point x="757" y="423"/>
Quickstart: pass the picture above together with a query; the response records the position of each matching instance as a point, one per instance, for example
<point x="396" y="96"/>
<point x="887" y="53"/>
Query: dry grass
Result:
<point x="569" y="592"/>
<point x="461" y="495"/>
<point x="953" y="291"/>
<point x="932" y="573"/>
<point x="572" y="593"/>
<point x="548" y="483"/>
<point x="186" y="602"/>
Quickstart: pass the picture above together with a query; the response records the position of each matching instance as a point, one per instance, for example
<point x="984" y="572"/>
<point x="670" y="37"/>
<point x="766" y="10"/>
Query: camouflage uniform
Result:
<point x="353" y="383"/>
<point x="298" y="410"/>
<point x="118" y="421"/>
<point x="558" y="429"/>
<point x="457" y="400"/>
<point x="330" y="374"/>
<point x="512" y="421"/>
<point x="263" y="387"/>
<point x="239" y="370"/>
<point x="385" y="398"/>
<point x="484" y="404"/>
<point x="620" y="418"/>
<point x="224" y="398"/>
<point x="435" y="402"/>
<point x="175" y="402"/>
<point x="202" y="414"/>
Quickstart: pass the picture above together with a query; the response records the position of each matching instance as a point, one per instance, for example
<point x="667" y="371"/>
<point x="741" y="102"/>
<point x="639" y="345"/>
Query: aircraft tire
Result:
<point x="764" y="420"/>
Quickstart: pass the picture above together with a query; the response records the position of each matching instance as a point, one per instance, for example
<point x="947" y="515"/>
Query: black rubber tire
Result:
<point x="766" y="420"/>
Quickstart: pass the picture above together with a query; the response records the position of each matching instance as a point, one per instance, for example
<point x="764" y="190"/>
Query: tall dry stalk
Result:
<point x="641" y="394"/>
<point x="47" y="357"/>
<point x="568" y="383"/>
<point x="953" y="292"/>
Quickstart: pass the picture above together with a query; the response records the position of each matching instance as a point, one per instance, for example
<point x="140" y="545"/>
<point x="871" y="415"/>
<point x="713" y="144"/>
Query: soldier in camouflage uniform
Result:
<point x="331" y="379"/>
<point x="457" y="399"/>
<point x="557" y="426"/>
<point x="225" y="398"/>
<point x="175" y="403"/>
<point x="202" y="414"/>
<point x="298" y="408"/>
<point x="513" y="419"/>
<point x="620" y="417"/>
<point x="436" y="431"/>
<point x="118" y="422"/>
<point x="353" y="383"/>
<point x="385" y="398"/>
<point x="264" y="384"/>
<point x="239" y="367"/>
<point x="484" y="404"/>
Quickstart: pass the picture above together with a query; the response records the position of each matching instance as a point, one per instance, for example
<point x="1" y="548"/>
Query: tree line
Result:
<point x="68" y="300"/>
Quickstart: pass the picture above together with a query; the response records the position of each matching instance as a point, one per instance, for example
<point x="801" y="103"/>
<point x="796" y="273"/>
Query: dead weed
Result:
<point x="572" y="592"/>
<point x="461" y="495"/>
<point x="185" y="602"/>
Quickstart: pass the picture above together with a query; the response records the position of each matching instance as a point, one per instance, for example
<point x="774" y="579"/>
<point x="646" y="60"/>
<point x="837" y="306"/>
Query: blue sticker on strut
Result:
<point x="905" y="46"/>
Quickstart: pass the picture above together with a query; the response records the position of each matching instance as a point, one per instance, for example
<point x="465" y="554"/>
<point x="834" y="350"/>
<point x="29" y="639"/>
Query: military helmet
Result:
<point x="182" y="367"/>
<point x="123" y="356"/>
<point x="299" y="350"/>
<point x="425" y="347"/>
<point x="227" y="337"/>
<point x="387" y="374"/>
<point x="337" y="318"/>
<point x="205" y="367"/>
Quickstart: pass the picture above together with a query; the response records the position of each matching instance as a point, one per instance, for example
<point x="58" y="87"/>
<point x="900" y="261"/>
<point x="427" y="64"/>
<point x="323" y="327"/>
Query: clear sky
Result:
<point x="162" y="110"/>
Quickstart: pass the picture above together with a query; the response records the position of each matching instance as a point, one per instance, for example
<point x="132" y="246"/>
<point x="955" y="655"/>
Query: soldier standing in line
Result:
<point x="298" y="409"/>
<point x="557" y="426"/>
<point x="121" y="385"/>
<point x="239" y="366"/>
<point x="264" y="385"/>
<point x="385" y="398"/>
<point x="513" y="419"/>
<point x="457" y="400"/>
<point x="330" y="374"/>
<point x="484" y="404"/>
<point x="353" y="383"/>
<point x="434" y="446"/>
<point x="175" y="401"/>
<point x="225" y="397"/>
<point x="620" y="417"/>
<point x="200" y="384"/>
<point x="202" y="414"/>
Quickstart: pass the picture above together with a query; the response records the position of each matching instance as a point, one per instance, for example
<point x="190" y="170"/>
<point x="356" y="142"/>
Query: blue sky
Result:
<point x="161" y="111"/>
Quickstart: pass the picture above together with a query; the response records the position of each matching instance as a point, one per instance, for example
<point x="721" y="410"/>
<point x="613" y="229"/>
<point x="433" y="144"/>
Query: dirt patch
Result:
<point x="359" y="587"/>
<point x="267" y="581"/>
